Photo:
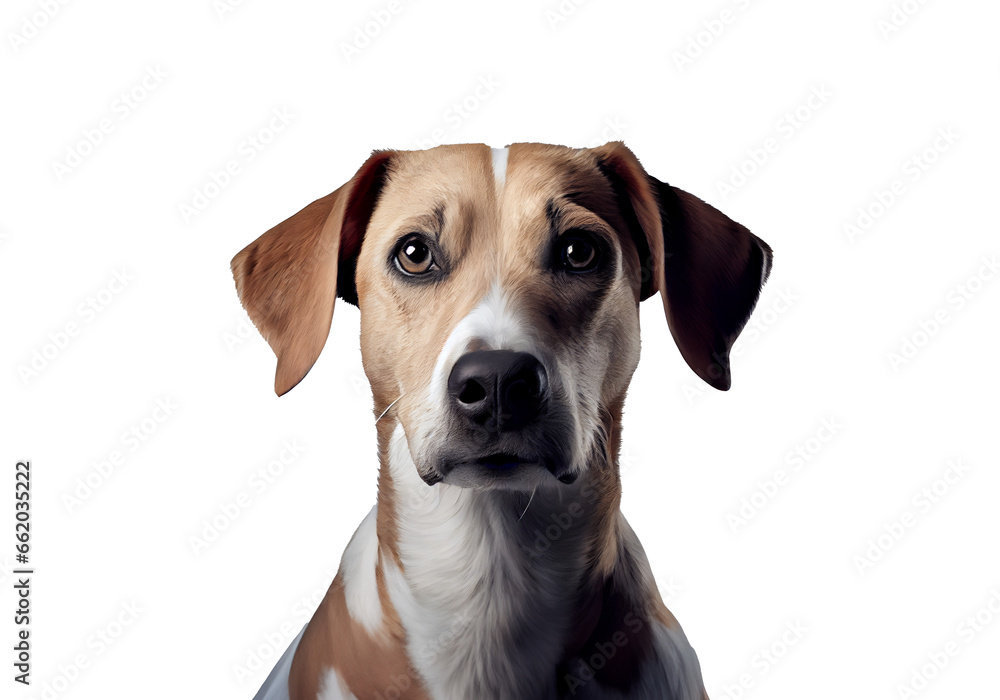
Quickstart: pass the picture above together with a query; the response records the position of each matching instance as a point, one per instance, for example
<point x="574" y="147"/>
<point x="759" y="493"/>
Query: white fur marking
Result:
<point x="358" y="570"/>
<point x="332" y="687"/>
<point x="500" y="165"/>
<point x="495" y="322"/>
<point x="466" y="565"/>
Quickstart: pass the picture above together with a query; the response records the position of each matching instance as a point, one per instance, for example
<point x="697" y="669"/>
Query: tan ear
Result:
<point x="288" y="278"/>
<point x="708" y="269"/>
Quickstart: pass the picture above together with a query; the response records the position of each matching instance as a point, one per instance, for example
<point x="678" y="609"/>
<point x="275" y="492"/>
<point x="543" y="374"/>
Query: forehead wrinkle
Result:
<point x="438" y="218"/>
<point x="453" y="190"/>
<point x="431" y="222"/>
<point x="474" y="220"/>
<point x="554" y="213"/>
<point x="465" y="233"/>
<point x="559" y="175"/>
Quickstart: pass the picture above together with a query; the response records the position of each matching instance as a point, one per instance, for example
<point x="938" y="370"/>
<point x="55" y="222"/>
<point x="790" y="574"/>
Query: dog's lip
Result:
<point x="504" y="460"/>
<point x="502" y="470"/>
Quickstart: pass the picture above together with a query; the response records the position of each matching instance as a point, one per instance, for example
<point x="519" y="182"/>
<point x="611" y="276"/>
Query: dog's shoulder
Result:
<point x="630" y="646"/>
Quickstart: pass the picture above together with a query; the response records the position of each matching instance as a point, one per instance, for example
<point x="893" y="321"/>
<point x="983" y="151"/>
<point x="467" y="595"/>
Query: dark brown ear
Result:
<point x="289" y="278"/>
<point x="708" y="268"/>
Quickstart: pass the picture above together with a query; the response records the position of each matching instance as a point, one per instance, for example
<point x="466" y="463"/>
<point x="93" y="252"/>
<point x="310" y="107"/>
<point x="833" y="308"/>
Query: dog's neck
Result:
<point x="514" y="576"/>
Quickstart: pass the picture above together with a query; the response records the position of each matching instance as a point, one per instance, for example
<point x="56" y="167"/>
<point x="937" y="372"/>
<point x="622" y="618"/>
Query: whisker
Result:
<point x="388" y="407"/>
<point x="529" y="502"/>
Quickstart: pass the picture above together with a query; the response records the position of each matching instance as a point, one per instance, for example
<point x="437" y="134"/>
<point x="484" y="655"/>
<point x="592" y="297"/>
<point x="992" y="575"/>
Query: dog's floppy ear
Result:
<point x="708" y="268"/>
<point x="289" y="278"/>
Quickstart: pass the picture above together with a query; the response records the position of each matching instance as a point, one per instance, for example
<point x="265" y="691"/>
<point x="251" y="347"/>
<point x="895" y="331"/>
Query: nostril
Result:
<point x="520" y="390"/>
<point x="472" y="392"/>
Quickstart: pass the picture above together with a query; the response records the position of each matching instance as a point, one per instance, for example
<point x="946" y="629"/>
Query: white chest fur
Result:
<point x="485" y="584"/>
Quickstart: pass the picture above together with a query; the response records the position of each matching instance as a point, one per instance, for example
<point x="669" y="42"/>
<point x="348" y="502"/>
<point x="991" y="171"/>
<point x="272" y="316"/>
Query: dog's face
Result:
<point x="499" y="293"/>
<point x="499" y="305"/>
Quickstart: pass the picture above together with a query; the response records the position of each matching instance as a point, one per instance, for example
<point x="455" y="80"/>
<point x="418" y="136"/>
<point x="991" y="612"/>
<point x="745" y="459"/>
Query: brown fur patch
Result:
<point x="371" y="668"/>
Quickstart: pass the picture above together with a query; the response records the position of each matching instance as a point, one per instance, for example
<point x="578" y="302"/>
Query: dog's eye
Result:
<point x="578" y="252"/>
<point x="414" y="257"/>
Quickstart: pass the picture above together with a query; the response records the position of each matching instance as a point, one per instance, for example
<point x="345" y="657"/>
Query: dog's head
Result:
<point x="499" y="293"/>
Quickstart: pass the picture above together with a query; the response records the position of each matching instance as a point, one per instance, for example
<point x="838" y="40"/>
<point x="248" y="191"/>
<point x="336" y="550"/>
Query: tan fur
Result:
<point x="386" y="525"/>
<point x="287" y="278"/>
<point x="403" y="327"/>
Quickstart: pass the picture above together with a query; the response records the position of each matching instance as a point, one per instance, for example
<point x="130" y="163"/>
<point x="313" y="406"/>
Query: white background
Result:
<point x="837" y="306"/>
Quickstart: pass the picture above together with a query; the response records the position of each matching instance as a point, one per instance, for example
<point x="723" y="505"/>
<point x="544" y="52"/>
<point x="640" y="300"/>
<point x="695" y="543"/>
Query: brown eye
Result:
<point x="578" y="252"/>
<point x="414" y="257"/>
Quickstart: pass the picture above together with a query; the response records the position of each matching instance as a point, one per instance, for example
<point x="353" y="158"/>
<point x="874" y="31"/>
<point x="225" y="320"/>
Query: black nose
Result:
<point x="498" y="389"/>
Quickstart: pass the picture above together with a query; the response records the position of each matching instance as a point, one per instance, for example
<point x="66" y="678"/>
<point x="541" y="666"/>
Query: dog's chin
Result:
<point x="523" y="476"/>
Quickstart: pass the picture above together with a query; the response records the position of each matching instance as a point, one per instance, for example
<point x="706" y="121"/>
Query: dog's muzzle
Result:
<point x="503" y="421"/>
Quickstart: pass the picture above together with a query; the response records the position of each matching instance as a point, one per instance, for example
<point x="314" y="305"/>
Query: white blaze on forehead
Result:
<point x="500" y="165"/>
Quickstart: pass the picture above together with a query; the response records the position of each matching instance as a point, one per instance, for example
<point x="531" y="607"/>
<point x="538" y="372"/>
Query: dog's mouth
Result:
<point x="504" y="460"/>
<point x="505" y="470"/>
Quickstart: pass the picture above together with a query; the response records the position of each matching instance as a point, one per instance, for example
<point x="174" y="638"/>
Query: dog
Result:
<point x="499" y="294"/>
